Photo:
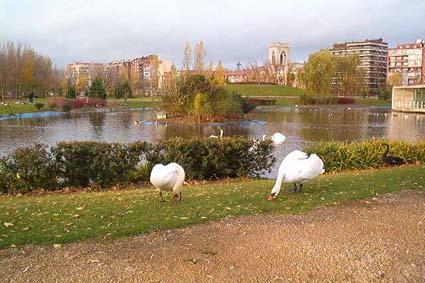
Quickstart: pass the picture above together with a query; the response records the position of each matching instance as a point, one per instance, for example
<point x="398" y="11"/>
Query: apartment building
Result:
<point x="147" y="70"/>
<point x="373" y="59"/>
<point x="79" y="70"/>
<point x="408" y="59"/>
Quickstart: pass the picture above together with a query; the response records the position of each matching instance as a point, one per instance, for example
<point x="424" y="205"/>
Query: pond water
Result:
<point x="299" y="124"/>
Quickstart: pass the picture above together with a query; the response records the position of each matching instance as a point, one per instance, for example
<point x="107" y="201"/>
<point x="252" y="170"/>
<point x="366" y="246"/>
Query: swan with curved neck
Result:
<point x="168" y="178"/>
<point x="297" y="168"/>
<point x="389" y="159"/>
<point x="221" y="135"/>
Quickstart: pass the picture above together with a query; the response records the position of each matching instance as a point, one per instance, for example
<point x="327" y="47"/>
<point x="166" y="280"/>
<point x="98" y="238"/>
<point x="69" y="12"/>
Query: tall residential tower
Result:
<point x="373" y="59"/>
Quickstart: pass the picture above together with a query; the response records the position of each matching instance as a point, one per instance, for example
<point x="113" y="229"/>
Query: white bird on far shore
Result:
<point x="221" y="135"/>
<point x="278" y="138"/>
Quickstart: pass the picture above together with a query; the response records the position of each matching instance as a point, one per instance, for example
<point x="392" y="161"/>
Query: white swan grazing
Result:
<point x="221" y="135"/>
<point x="297" y="168"/>
<point x="278" y="138"/>
<point x="168" y="178"/>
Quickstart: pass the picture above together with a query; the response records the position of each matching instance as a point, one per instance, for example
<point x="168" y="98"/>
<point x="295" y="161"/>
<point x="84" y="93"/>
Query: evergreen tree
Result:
<point x="97" y="90"/>
<point x="70" y="90"/>
<point x="122" y="90"/>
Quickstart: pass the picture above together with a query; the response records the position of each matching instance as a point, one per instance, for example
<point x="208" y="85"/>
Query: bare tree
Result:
<point x="22" y="70"/>
<point x="199" y="64"/>
<point x="187" y="59"/>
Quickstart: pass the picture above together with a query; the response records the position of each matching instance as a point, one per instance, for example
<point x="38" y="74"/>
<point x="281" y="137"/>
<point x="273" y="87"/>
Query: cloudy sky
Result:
<point x="106" y="30"/>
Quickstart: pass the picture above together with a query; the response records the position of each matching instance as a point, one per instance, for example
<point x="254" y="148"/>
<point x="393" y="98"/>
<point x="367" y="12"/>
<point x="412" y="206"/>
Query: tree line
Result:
<point x="325" y="74"/>
<point x="23" y="70"/>
<point x="197" y="91"/>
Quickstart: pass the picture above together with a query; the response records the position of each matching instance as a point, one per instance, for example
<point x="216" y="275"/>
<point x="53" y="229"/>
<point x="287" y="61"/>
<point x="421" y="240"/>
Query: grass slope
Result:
<point x="13" y="108"/>
<point x="73" y="217"/>
<point x="264" y="90"/>
<point x="138" y="102"/>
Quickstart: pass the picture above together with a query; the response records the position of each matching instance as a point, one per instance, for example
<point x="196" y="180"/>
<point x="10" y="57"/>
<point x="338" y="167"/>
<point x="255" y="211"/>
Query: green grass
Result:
<point x="372" y="102"/>
<point x="287" y="101"/>
<point x="72" y="217"/>
<point x="139" y="102"/>
<point x="13" y="108"/>
<point x="264" y="90"/>
<point x="290" y="101"/>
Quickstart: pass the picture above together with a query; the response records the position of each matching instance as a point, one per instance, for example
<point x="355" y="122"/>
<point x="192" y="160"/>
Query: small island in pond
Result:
<point x="199" y="98"/>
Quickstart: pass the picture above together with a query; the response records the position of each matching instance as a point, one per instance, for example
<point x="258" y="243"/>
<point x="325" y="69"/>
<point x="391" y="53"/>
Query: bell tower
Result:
<point x="279" y="53"/>
<point x="278" y="61"/>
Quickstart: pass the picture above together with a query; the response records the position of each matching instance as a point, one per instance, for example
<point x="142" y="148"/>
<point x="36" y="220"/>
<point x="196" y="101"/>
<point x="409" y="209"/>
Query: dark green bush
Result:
<point x="39" y="105"/>
<point x="342" y="156"/>
<point x="81" y="164"/>
<point x="314" y="100"/>
<point x="196" y="96"/>
<point x="215" y="158"/>
<point x="66" y="107"/>
<point x="84" y="163"/>
<point x="28" y="168"/>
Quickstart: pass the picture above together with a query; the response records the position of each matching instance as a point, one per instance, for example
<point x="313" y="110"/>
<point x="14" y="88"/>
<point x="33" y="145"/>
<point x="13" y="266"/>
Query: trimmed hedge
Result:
<point x="215" y="158"/>
<point x="81" y="164"/>
<point x="360" y="155"/>
<point x="326" y="100"/>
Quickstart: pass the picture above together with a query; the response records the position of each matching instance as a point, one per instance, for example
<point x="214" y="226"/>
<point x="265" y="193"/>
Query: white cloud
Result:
<point x="234" y="30"/>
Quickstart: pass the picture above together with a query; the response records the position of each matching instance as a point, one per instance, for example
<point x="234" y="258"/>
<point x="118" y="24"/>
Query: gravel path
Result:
<point x="380" y="239"/>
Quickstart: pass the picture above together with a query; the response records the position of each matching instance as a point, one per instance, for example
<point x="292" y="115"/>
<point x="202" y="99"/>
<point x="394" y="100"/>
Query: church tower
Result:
<point x="279" y="60"/>
<point x="279" y="53"/>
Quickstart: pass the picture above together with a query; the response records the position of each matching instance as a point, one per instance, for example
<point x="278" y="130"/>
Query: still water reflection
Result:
<point x="299" y="125"/>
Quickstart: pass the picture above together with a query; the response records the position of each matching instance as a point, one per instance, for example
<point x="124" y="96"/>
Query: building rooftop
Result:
<point x="345" y="44"/>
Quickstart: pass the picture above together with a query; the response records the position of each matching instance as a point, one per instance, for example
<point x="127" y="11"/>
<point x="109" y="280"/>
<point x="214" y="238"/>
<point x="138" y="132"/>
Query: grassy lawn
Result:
<point x="290" y="101"/>
<point x="139" y="102"/>
<point x="372" y="102"/>
<point x="65" y="218"/>
<point x="264" y="90"/>
<point x="13" y="108"/>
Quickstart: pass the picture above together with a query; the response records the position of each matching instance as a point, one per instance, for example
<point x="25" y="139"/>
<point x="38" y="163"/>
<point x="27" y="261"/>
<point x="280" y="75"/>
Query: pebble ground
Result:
<point x="375" y="240"/>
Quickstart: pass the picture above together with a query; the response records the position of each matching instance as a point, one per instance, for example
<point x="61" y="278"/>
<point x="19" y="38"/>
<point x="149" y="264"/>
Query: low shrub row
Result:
<point x="66" y="104"/>
<point x="359" y="155"/>
<point x="327" y="100"/>
<point x="81" y="164"/>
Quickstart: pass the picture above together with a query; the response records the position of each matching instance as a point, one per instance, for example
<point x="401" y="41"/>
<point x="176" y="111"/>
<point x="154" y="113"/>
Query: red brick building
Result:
<point x="409" y="61"/>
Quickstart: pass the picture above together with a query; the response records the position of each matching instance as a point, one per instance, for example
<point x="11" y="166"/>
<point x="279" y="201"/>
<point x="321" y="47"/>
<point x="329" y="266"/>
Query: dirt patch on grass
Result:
<point x="373" y="240"/>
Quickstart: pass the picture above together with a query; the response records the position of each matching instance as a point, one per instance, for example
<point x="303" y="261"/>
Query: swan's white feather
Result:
<point x="297" y="167"/>
<point x="278" y="138"/>
<point x="168" y="178"/>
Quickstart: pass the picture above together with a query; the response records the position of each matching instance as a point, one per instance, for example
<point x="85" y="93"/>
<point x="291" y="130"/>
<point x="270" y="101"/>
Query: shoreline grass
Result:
<point x="138" y="102"/>
<point x="264" y="90"/>
<point x="49" y="219"/>
<point x="14" y="108"/>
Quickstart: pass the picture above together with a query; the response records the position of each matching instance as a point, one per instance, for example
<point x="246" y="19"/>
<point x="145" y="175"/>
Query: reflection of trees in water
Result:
<point x="334" y="124"/>
<point x="97" y="120"/>
<point x="126" y="120"/>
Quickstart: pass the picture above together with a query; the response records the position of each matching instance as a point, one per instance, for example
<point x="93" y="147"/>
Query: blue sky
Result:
<point x="104" y="30"/>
